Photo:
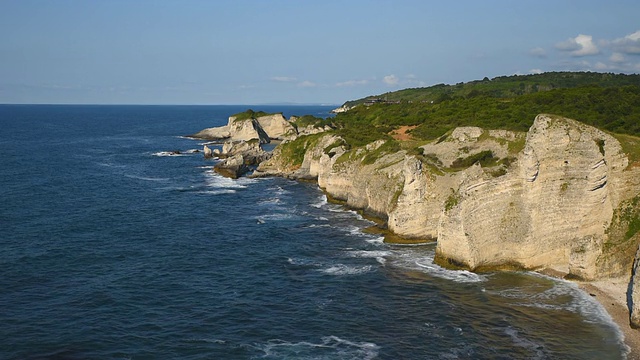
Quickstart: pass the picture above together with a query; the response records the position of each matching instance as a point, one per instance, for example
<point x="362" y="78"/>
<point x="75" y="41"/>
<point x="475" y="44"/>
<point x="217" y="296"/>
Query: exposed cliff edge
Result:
<point x="262" y="127"/>
<point x="562" y="195"/>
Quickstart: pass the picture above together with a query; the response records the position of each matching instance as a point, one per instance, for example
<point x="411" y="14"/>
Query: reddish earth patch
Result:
<point x="401" y="133"/>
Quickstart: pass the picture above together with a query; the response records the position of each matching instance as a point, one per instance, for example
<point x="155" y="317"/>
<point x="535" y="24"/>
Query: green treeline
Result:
<point x="615" y="108"/>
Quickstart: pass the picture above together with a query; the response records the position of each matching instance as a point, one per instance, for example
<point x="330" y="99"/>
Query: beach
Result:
<point x="612" y="294"/>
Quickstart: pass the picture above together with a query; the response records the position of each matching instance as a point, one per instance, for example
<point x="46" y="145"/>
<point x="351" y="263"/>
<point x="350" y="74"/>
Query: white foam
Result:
<point x="274" y="217"/>
<point x="341" y="269"/>
<point x="523" y="342"/>
<point x="218" y="181"/>
<point x="423" y="261"/>
<point x="331" y="347"/>
<point x="564" y="295"/>
<point x="322" y="201"/>
<point x="369" y="253"/>
<point x="376" y="240"/>
<point x="455" y="275"/>
<point x="167" y="153"/>
<point x="318" y="225"/>
<point x="146" y="178"/>
<point x="217" y="192"/>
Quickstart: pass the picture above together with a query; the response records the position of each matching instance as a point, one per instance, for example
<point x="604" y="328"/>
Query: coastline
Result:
<point x="612" y="295"/>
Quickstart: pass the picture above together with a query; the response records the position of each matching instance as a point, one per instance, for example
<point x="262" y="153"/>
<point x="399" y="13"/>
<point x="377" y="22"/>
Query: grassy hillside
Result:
<point x="607" y="101"/>
<point x="505" y="86"/>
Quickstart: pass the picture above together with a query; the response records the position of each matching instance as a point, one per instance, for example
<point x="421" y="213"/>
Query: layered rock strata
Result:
<point x="263" y="128"/>
<point x="634" y="290"/>
<point x="553" y="197"/>
<point x="238" y="157"/>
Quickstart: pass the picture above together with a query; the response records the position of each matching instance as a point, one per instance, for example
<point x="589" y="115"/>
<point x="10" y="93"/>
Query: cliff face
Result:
<point x="561" y="195"/>
<point x="263" y="128"/>
<point x="635" y="292"/>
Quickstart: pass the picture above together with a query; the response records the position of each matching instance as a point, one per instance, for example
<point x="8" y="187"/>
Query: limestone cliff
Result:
<point x="635" y="292"/>
<point x="276" y="126"/>
<point x="237" y="130"/>
<point x="561" y="195"/>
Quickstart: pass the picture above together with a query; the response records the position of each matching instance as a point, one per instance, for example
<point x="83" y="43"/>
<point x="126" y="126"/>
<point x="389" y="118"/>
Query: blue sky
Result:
<point x="257" y="52"/>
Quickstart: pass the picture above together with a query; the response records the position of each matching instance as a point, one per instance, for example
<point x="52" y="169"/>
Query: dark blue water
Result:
<point x="110" y="249"/>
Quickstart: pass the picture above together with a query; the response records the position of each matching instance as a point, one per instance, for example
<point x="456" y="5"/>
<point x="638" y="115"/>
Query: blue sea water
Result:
<point x="110" y="248"/>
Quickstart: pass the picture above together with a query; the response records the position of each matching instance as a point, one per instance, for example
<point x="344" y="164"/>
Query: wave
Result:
<point x="274" y="217"/>
<point x="322" y="201"/>
<point x="423" y="261"/>
<point x="329" y="347"/>
<point x="521" y="341"/>
<point x="167" y="153"/>
<point x="146" y="178"/>
<point x="217" y="192"/>
<point x="342" y="269"/>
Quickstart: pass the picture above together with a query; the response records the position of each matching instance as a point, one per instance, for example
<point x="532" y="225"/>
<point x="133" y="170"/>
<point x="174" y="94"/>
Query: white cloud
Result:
<point x="629" y="44"/>
<point x="581" y="45"/>
<point x="535" y="71"/>
<point x="601" y="66"/>
<point x="538" y="52"/>
<point x="283" y="79"/>
<point x="306" y="83"/>
<point x="391" y="80"/>
<point x="617" y="58"/>
<point x="352" y="83"/>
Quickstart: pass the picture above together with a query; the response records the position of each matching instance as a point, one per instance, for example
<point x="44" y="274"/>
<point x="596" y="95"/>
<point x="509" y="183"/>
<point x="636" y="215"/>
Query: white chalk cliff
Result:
<point x="561" y="195"/>
<point x="263" y="128"/>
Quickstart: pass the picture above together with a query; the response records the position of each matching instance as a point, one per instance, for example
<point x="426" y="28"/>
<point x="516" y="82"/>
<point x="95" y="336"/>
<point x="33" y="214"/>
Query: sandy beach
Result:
<point x="612" y="294"/>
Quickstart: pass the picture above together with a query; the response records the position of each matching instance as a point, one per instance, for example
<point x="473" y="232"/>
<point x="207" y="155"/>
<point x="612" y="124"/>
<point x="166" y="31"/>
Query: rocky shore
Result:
<point x="562" y="199"/>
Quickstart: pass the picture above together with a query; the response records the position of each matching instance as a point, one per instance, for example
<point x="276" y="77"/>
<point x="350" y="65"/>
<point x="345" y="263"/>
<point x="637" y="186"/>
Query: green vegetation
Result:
<point x="610" y="102"/>
<point x="505" y="87"/>
<point x="249" y="114"/>
<point x="295" y="150"/>
<point x="485" y="158"/>
<point x="389" y="147"/>
<point x="452" y="200"/>
<point x="306" y="120"/>
<point x="613" y="109"/>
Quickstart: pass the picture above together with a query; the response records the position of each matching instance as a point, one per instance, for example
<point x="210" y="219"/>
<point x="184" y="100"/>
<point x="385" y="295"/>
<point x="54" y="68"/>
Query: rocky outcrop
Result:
<point x="558" y="196"/>
<point x="276" y="126"/>
<point x="634" y="289"/>
<point x="207" y="152"/>
<point x="239" y="157"/>
<point x="263" y="128"/>
<point x="232" y="167"/>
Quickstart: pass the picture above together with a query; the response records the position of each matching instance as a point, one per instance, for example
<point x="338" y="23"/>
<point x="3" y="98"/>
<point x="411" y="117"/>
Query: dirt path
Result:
<point x="401" y="134"/>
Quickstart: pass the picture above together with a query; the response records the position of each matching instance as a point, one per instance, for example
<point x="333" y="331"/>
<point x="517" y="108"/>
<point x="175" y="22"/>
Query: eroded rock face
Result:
<point x="276" y="126"/>
<point x="207" y="152"/>
<point x="553" y="209"/>
<point x="635" y="292"/>
<point x="232" y="167"/>
<point x="235" y="130"/>
<point x="549" y="203"/>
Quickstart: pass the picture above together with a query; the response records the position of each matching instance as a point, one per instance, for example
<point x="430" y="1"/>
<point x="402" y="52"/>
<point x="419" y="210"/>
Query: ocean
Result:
<point x="113" y="248"/>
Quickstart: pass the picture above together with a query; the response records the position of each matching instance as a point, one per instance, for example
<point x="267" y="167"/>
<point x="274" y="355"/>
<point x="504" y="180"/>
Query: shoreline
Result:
<point x="611" y="293"/>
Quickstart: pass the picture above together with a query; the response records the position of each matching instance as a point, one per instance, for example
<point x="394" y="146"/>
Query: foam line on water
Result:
<point x="330" y="347"/>
<point x="146" y="178"/>
<point x="423" y="261"/>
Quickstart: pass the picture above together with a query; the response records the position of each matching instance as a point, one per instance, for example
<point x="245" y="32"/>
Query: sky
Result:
<point x="295" y="51"/>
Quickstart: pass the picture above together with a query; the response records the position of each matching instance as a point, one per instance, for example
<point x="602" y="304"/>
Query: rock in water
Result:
<point x="207" y="152"/>
<point x="232" y="167"/>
